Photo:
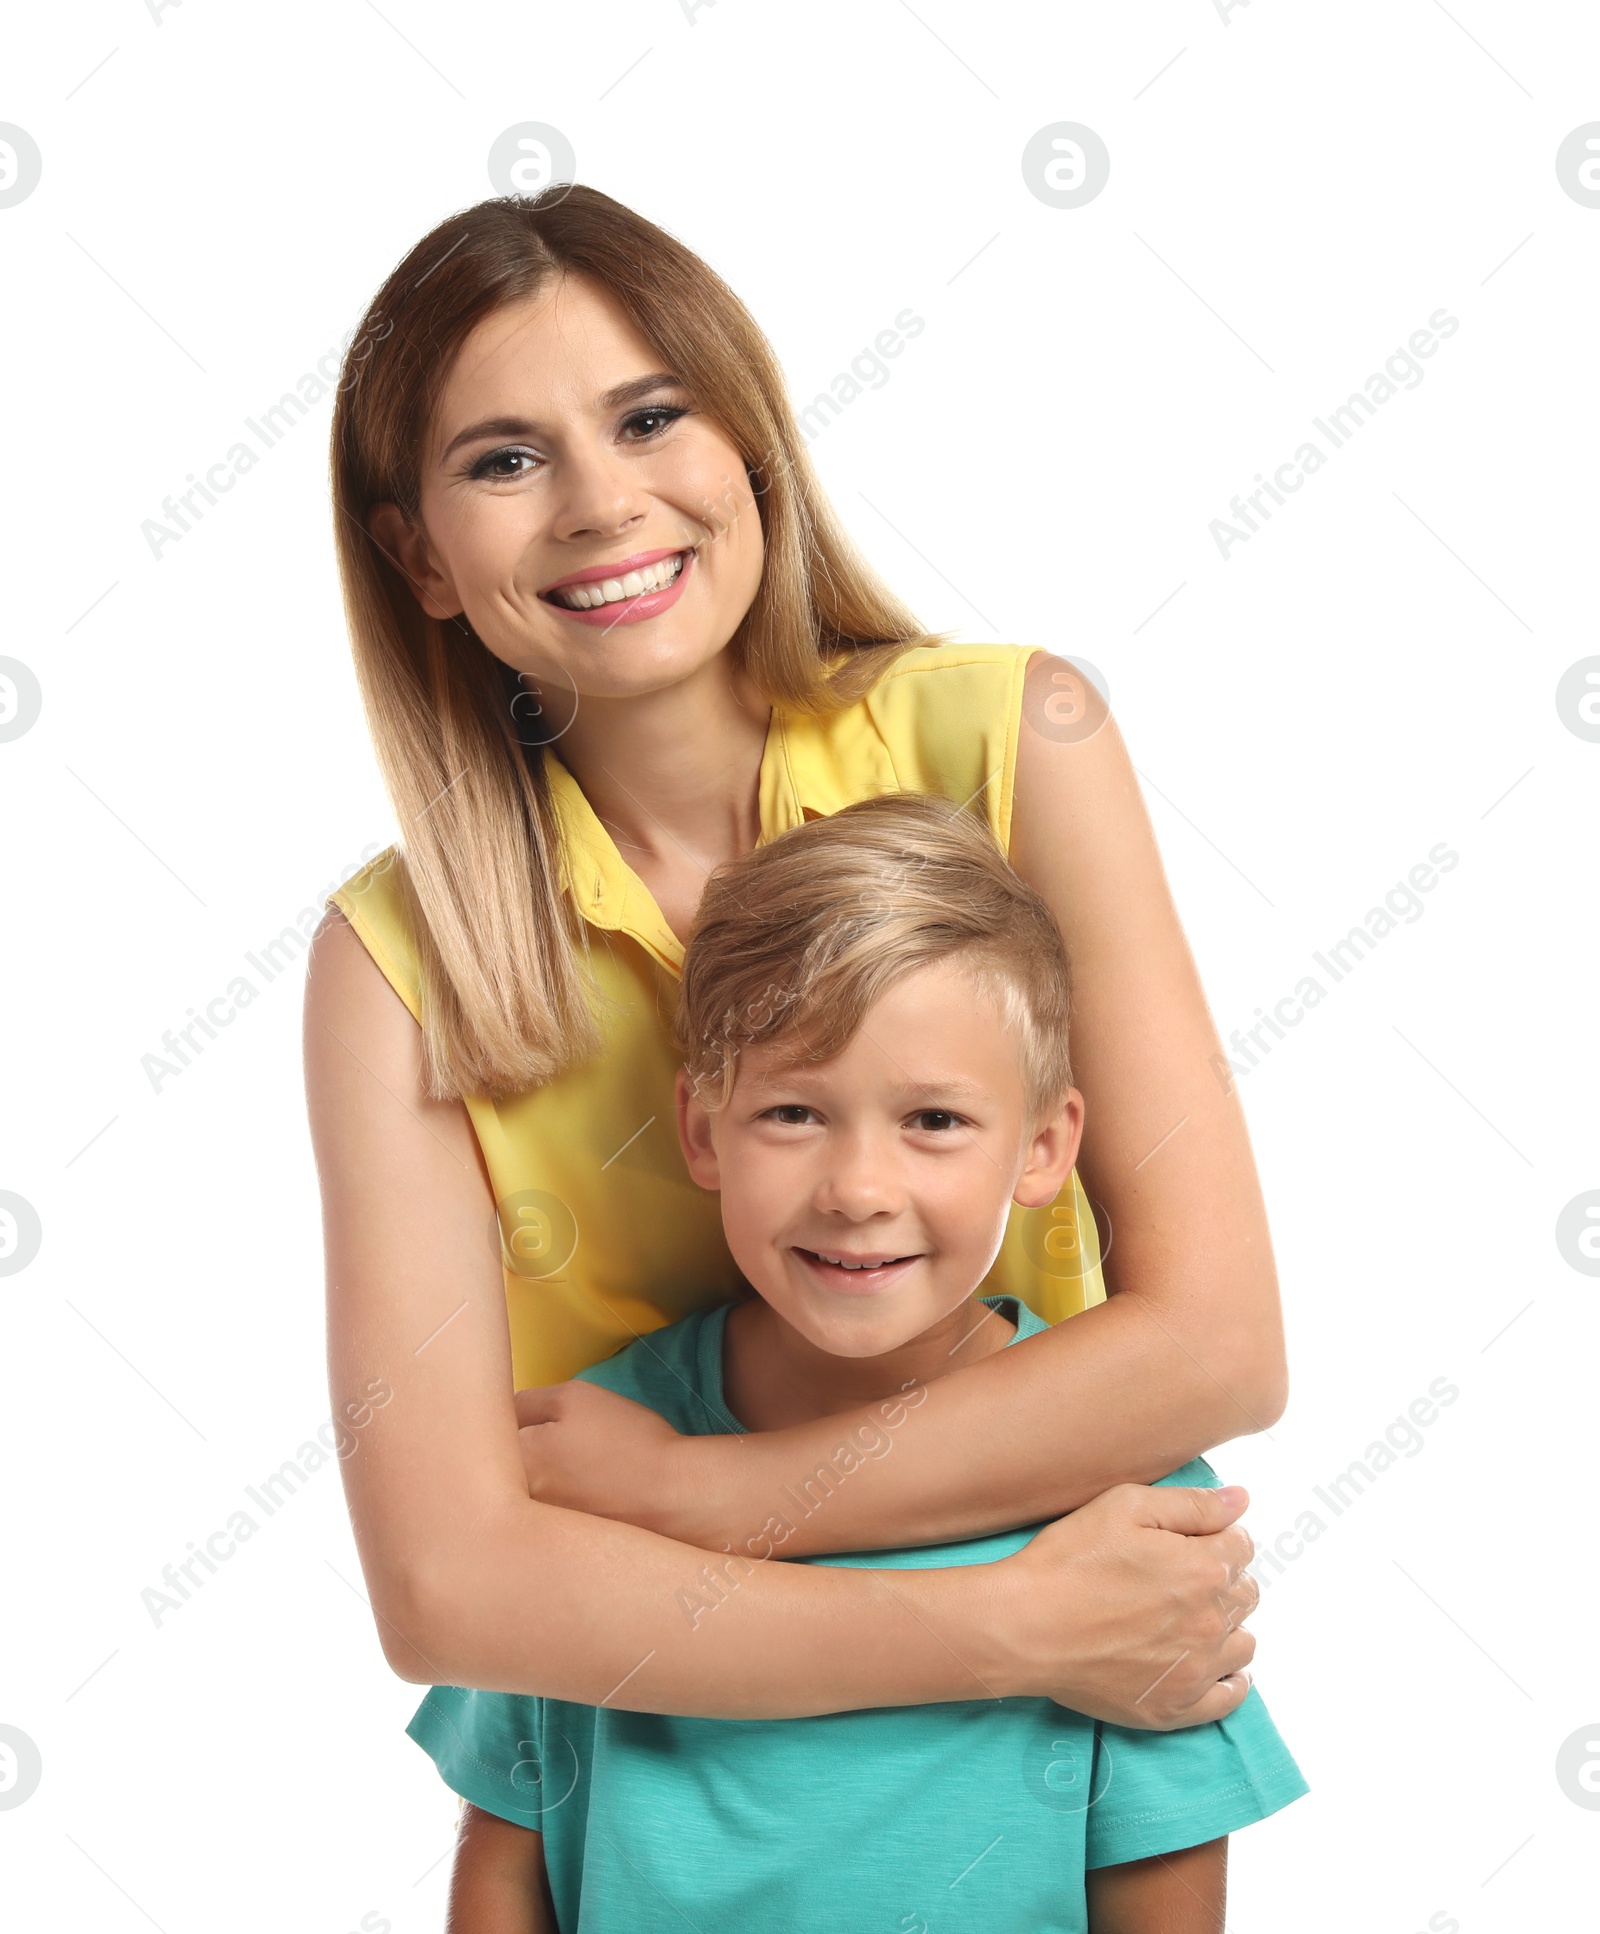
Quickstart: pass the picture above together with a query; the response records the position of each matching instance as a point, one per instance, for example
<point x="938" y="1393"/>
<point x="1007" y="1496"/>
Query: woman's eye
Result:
<point x="662" y="415"/>
<point x="504" y="466"/>
<point x="493" y="466"/>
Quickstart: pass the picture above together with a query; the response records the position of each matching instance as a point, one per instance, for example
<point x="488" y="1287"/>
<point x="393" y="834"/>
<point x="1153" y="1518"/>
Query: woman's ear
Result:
<point x="406" y="546"/>
<point x="1051" y="1154"/>
<point x="694" y="1135"/>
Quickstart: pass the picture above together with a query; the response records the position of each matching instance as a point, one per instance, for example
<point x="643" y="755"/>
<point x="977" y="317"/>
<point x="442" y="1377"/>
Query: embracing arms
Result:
<point x="473" y="1582"/>
<point x="1186" y="1352"/>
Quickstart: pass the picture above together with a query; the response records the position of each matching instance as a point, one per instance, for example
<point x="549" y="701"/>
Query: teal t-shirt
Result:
<point x="979" y="1816"/>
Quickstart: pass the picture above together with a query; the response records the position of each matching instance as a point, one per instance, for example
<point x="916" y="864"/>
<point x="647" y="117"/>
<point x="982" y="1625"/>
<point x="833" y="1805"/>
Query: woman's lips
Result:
<point x="631" y="611"/>
<point x="856" y="1282"/>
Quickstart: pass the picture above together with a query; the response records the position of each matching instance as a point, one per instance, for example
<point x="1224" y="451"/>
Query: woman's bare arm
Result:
<point x="1186" y="1352"/>
<point x="1193" y="1289"/>
<point x="474" y="1583"/>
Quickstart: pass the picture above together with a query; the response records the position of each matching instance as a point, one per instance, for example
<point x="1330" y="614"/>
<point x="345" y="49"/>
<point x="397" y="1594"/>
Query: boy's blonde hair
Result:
<point x="796" y="941"/>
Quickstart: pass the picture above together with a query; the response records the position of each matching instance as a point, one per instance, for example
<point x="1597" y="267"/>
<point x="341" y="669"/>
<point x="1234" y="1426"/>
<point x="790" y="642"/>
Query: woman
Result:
<point x="610" y="636"/>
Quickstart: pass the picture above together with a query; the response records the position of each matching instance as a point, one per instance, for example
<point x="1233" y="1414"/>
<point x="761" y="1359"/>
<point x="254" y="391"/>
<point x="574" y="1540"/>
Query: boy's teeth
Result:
<point x="589" y="597"/>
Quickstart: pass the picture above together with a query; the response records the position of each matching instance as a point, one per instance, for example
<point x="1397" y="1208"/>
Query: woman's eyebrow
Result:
<point x="612" y="399"/>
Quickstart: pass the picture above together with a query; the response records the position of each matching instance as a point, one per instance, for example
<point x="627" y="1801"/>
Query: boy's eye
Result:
<point x="792" y="1114"/>
<point x="935" y="1120"/>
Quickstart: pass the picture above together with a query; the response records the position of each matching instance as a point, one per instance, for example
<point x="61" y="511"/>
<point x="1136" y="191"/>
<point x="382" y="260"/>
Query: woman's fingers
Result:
<point x="1133" y="1607"/>
<point x="540" y="1404"/>
<point x="1226" y="1696"/>
<point x="1193" y="1509"/>
<point x="1243" y="1596"/>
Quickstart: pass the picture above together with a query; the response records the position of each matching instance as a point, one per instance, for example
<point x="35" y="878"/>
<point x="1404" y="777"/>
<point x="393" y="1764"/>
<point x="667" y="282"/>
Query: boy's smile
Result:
<point x="865" y="1198"/>
<point x="856" y="1275"/>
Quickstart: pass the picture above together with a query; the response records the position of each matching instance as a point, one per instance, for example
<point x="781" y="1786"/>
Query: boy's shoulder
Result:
<point x="1027" y="1321"/>
<point x="675" y="1371"/>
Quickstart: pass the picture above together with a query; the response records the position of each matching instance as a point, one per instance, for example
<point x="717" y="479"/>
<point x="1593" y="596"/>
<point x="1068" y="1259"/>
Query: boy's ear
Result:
<point x="694" y="1135"/>
<point x="1051" y="1154"/>
<point x="406" y="546"/>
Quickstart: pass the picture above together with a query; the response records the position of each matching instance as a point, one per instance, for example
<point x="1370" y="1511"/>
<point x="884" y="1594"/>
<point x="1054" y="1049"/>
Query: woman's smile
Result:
<point x="535" y="539"/>
<point x="627" y="592"/>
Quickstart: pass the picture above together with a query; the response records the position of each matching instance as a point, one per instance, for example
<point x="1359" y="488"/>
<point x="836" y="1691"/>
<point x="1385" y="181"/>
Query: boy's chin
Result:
<point x="858" y="1347"/>
<point x="859" y="1333"/>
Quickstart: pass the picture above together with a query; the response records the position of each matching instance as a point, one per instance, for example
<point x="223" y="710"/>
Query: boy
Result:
<point x="874" y="1028"/>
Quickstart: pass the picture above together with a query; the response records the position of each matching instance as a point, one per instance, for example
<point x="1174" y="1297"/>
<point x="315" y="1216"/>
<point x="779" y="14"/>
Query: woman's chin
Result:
<point x="629" y="661"/>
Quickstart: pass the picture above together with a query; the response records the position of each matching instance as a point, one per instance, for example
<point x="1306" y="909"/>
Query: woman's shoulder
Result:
<point x="948" y="716"/>
<point x="932" y="674"/>
<point x="939" y="656"/>
<point x="935" y="691"/>
<point x="375" y="904"/>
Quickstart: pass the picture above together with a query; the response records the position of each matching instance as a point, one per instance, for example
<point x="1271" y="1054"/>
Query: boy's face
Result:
<point x="865" y="1198"/>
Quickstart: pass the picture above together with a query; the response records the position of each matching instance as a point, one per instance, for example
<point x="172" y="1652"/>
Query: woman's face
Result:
<point x="561" y="449"/>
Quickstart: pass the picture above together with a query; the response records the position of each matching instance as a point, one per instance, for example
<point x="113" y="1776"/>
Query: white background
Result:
<point x="1293" y="191"/>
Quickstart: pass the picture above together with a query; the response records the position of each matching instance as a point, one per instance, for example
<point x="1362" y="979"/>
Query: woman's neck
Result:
<point x="674" y="776"/>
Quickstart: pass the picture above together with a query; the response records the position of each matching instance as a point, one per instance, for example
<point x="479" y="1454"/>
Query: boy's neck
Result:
<point x="774" y="1377"/>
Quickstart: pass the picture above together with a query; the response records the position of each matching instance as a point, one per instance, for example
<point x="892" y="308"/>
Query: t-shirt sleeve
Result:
<point x="1157" y="1792"/>
<point x="486" y="1747"/>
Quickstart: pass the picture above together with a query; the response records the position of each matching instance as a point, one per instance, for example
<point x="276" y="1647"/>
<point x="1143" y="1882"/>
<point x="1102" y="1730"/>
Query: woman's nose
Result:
<point x="597" y="495"/>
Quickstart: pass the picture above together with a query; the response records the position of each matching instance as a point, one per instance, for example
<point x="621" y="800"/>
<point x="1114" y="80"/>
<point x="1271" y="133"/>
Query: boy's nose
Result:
<point x="862" y="1181"/>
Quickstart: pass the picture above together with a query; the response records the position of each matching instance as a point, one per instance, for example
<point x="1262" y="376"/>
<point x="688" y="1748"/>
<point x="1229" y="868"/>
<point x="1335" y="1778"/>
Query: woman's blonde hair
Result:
<point x="796" y="941"/>
<point x="507" y="1003"/>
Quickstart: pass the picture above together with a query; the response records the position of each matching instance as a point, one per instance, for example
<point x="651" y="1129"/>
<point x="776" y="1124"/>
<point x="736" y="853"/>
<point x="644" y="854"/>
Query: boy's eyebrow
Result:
<point x="952" y="1087"/>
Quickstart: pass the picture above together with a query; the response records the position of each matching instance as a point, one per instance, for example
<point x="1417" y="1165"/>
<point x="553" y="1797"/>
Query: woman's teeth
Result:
<point x="589" y="597"/>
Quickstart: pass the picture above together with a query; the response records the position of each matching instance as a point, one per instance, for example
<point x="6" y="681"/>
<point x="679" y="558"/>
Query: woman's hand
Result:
<point x="585" y="1447"/>
<point x="1148" y="1632"/>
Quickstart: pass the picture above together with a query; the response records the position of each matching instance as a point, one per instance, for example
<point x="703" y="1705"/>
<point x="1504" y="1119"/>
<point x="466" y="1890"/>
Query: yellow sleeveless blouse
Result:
<point x="601" y="1234"/>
